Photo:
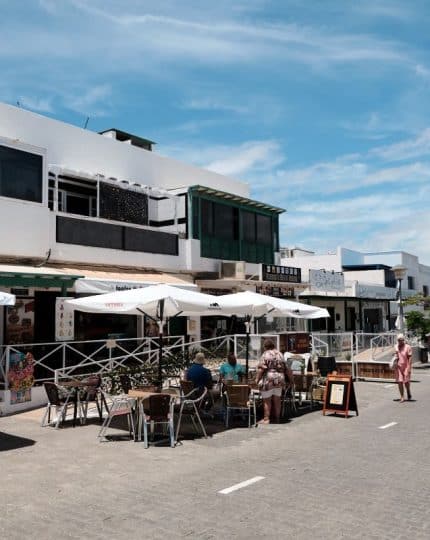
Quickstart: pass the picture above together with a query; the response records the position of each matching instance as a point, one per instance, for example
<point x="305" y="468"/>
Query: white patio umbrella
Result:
<point x="252" y="305"/>
<point x="155" y="301"/>
<point x="7" y="299"/>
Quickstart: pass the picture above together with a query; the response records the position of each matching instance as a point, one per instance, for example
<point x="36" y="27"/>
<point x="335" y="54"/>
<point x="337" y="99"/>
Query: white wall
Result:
<point x="375" y="277"/>
<point x="314" y="262"/>
<point x="85" y="150"/>
<point x="24" y="228"/>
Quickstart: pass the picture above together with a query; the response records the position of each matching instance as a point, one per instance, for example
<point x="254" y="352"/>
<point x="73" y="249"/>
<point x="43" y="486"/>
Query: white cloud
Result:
<point x="407" y="149"/>
<point x="249" y="157"/>
<point x="92" y="101"/>
<point x="213" y="104"/>
<point x="422" y="71"/>
<point x="36" y="104"/>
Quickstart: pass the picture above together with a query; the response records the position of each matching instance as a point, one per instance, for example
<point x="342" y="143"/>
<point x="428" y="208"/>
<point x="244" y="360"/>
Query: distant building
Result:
<point x="358" y="289"/>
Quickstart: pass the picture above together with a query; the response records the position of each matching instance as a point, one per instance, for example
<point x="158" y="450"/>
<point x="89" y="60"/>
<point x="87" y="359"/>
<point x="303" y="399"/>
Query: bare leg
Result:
<point x="408" y="389"/>
<point x="401" y="391"/>
<point x="267" y="406"/>
<point x="276" y="408"/>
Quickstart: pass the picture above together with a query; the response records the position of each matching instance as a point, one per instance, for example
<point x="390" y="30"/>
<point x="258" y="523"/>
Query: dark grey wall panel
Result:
<point x="94" y="234"/>
<point x="89" y="233"/>
<point x="150" y="241"/>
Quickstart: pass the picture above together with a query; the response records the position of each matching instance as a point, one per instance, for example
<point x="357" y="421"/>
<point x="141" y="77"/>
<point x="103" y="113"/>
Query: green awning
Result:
<point x="34" y="276"/>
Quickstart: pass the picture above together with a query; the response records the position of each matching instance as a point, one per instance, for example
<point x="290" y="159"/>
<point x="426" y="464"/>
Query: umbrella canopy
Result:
<point x="155" y="301"/>
<point x="7" y="299"/>
<point x="251" y="304"/>
<point x="149" y="301"/>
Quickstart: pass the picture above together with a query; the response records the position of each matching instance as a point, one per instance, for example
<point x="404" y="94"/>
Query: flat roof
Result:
<point x="236" y="198"/>
<point x="124" y="136"/>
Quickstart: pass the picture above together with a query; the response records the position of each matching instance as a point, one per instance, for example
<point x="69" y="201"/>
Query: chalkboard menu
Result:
<point x="339" y="395"/>
<point x="121" y="204"/>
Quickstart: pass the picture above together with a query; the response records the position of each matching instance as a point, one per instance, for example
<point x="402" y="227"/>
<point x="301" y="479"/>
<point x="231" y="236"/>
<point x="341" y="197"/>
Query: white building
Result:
<point x="364" y="292"/>
<point x="83" y="213"/>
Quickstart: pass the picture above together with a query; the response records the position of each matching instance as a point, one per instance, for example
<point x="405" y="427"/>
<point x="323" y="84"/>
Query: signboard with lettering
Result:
<point x="278" y="292"/>
<point x="274" y="272"/>
<point x="326" y="280"/>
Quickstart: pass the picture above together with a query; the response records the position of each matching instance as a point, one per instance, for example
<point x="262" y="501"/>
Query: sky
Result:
<point x="321" y="106"/>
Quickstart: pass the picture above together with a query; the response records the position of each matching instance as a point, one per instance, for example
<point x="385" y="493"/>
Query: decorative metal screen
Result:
<point x="121" y="204"/>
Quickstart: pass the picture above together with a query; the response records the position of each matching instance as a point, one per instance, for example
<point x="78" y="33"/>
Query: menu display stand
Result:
<point x="339" y="395"/>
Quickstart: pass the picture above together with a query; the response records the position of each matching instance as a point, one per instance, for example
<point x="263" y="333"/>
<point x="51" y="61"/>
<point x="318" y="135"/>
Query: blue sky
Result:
<point x="322" y="106"/>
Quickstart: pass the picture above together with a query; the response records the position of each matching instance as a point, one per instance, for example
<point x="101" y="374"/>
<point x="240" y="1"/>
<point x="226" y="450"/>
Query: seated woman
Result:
<point x="231" y="370"/>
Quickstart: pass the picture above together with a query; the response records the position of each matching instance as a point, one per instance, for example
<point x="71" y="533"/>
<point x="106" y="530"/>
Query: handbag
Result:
<point x="393" y="361"/>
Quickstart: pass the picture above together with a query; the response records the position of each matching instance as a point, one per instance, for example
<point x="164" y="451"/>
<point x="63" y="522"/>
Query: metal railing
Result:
<point x="81" y="357"/>
<point x="54" y="360"/>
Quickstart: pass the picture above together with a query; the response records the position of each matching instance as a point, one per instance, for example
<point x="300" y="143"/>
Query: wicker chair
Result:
<point x="157" y="410"/>
<point x="60" y="399"/>
<point x="92" y="393"/>
<point x="239" y="399"/>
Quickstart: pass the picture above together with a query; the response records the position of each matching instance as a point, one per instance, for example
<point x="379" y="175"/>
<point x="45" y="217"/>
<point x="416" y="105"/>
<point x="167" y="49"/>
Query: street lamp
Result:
<point x="399" y="273"/>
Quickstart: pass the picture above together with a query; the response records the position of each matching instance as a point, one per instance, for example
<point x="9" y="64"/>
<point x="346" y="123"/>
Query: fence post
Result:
<point x="6" y="380"/>
<point x="64" y="359"/>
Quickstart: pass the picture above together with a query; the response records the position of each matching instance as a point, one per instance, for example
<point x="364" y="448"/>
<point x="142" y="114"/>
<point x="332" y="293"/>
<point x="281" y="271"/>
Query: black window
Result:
<point x="248" y="226"/>
<point x="224" y="221"/>
<point x="20" y="174"/>
<point x="264" y="229"/>
<point x="196" y="215"/>
<point x="207" y="215"/>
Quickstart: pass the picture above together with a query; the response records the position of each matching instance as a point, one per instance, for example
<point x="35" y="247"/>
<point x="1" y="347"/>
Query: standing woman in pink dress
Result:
<point x="403" y="367"/>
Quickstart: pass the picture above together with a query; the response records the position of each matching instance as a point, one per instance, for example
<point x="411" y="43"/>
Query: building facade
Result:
<point x="358" y="289"/>
<point x="84" y="213"/>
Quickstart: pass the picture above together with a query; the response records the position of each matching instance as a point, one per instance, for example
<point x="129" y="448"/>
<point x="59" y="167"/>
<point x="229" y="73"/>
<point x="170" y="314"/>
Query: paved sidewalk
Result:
<point x="323" y="477"/>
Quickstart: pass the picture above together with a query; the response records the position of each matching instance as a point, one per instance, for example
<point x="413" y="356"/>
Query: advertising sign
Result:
<point x="20" y="322"/>
<point x="64" y="320"/>
<point x="325" y="280"/>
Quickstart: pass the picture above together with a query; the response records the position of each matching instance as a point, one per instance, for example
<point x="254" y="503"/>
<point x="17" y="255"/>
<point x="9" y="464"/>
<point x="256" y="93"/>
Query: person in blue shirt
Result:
<point x="200" y="376"/>
<point x="231" y="370"/>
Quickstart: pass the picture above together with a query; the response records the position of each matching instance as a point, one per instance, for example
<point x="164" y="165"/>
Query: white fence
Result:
<point x="54" y="361"/>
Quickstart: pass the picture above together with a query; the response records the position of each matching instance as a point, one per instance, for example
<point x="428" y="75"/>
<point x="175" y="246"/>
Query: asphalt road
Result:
<point x="313" y="478"/>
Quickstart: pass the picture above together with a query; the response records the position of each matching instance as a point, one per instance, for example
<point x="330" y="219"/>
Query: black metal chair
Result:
<point x="92" y="393"/>
<point x="60" y="399"/>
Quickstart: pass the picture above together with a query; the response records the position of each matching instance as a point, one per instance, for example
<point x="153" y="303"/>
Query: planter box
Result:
<point x="38" y="399"/>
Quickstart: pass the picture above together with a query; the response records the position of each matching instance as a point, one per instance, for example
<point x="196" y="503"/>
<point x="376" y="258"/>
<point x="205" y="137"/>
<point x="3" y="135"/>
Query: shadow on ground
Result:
<point x="12" y="442"/>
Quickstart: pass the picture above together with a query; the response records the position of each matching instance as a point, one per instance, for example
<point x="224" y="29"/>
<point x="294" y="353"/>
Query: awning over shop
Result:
<point x="94" y="281"/>
<point x="20" y="276"/>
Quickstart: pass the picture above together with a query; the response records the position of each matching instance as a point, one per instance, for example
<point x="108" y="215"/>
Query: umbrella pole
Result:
<point x="248" y="328"/>
<point x="160" y="344"/>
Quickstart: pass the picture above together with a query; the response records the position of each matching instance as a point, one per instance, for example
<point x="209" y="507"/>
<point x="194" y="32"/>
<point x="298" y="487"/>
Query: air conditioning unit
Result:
<point x="233" y="269"/>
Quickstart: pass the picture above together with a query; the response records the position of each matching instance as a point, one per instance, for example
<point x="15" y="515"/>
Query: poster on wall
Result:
<point x="20" y="377"/>
<point x="20" y="322"/>
<point x="64" y="320"/>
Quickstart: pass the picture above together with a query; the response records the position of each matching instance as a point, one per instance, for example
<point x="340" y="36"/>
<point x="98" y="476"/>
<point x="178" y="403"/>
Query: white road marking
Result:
<point x="241" y="485"/>
<point x="389" y="385"/>
<point x="391" y="424"/>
